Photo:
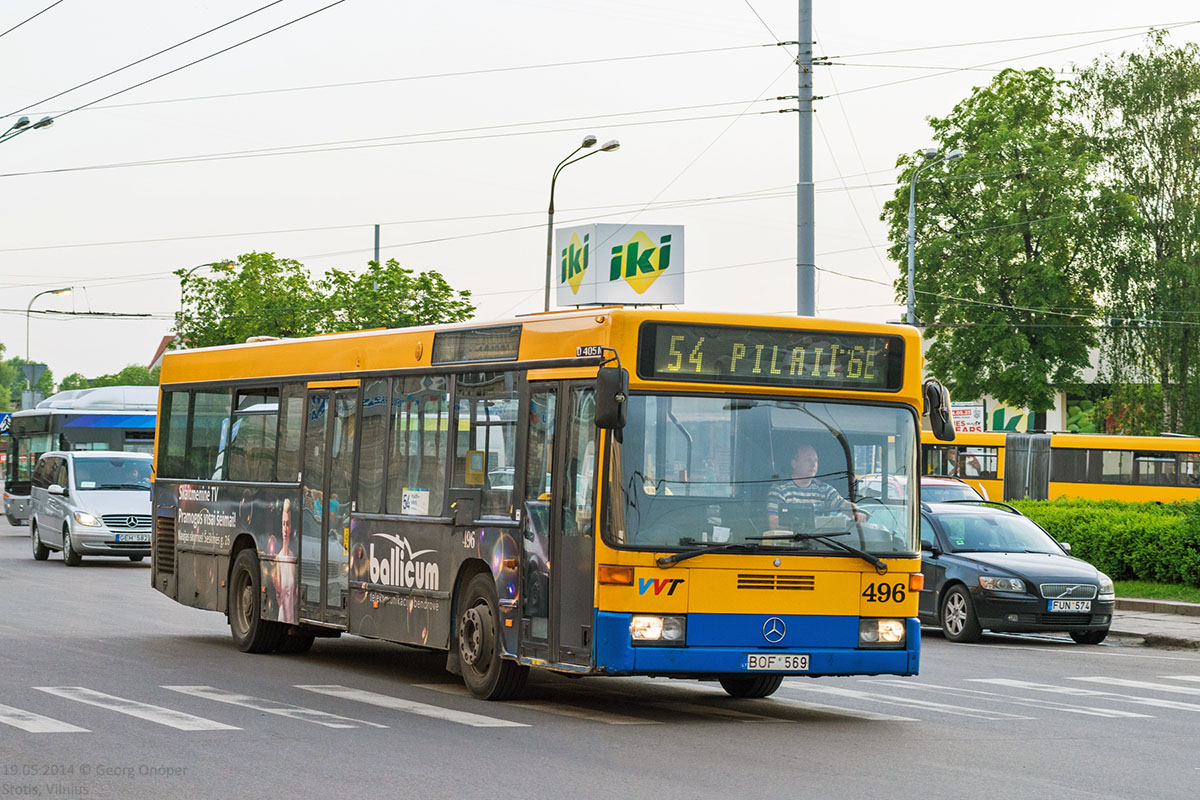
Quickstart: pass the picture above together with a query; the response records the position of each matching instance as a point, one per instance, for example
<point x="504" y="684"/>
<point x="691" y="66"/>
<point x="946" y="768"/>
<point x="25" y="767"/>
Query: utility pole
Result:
<point x="806" y="269"/>
<point x="376" y="283"/>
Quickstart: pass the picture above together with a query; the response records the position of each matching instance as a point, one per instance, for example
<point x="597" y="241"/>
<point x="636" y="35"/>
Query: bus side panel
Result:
<point x="200" y="576"/>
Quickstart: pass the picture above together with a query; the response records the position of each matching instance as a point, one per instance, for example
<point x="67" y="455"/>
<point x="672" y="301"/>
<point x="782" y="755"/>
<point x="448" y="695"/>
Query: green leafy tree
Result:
<point x="8" y="376"/>
<point x="390" y="296"/>
<point x="262" y="296"/>
<point x="133" y="375"/>
<point x="1008" y="242"/>
<point x="268" y="296"/>
<point x="1142" y="113"/>
<point x="73" y="381"/>
<point x="16" y="380"/>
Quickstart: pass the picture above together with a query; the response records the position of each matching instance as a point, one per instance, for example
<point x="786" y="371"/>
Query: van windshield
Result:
<point x="112" y="473"/>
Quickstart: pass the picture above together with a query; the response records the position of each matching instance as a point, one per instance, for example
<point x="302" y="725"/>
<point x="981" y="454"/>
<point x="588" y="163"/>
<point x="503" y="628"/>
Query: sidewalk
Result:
<point x="1159" y="623"/>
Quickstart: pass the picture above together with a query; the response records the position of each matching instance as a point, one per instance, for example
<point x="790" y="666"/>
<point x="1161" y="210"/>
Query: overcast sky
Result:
<point x="443" y="123"/>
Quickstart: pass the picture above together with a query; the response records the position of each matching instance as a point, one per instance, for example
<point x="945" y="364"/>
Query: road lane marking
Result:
<point x="704" y="710"/>
<point x="1079" y="691"/>
<point x="411" y="707"/>
<point x="561" y="709"/>
<point x="928" y="705"/>
<point x="35" y="723"/>
<point x="841" y="711"/>
<point x="1132" y="684"/>
<point x="272" y="707"/>
<point x="1004" y="698"/>
<point x="133" y="708"/>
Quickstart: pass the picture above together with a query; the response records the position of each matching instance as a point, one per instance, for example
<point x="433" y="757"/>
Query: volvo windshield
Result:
<point x="760" y="475"/>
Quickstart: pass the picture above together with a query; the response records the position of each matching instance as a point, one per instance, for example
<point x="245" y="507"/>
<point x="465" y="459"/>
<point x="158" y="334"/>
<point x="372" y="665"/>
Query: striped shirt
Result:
<point x="820" y="495"/>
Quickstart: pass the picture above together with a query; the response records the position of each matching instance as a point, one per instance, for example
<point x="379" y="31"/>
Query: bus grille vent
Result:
<point x="164" y="544"/>
<point x="750" y="580"/>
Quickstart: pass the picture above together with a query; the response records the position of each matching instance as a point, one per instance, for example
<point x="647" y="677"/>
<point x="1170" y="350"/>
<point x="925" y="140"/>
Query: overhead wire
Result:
<point x="30" y="19"/>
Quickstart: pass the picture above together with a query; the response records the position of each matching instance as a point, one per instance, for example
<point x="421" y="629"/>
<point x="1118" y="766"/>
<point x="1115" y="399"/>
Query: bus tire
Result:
<point x="251" y="633"/>
<point x="295" y="643"/>
<point x="757" y="686"/>
<point x="70" y="557"/>
<point x="487" y="675"/>
<point x="40" y="551"/>
<point x="959" y="623"/>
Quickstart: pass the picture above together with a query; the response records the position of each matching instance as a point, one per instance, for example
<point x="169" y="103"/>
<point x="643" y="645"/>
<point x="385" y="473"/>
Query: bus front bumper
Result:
<point x="714" y="648"/>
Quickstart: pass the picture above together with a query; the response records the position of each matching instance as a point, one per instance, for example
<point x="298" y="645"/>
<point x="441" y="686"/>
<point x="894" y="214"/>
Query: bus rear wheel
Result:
<point x="485" y="672"/>
<point x="251" y="633"/>
<point x="758" y="686"/>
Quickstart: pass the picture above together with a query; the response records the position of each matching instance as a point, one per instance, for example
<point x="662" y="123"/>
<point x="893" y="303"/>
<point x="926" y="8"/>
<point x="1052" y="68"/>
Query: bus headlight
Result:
<point x="646" y="629"/>
<point x="84" y="518"/>
<point x="881" y="632"/>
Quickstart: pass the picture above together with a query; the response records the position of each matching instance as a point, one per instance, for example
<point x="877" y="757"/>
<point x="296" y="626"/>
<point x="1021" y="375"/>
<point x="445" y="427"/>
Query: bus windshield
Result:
<point x="697" y="471"/>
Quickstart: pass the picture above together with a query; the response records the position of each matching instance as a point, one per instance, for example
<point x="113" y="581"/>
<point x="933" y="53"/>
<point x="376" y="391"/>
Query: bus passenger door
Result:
<point x="325" y="489"/>
<point x="557" y="527"/>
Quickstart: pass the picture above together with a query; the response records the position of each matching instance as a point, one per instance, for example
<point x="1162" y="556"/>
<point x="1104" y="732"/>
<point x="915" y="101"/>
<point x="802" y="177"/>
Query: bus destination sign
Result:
<point x="771" y="357"/>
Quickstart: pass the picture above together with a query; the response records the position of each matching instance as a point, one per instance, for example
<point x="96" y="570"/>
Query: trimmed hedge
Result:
<point x="1157" y="542"/>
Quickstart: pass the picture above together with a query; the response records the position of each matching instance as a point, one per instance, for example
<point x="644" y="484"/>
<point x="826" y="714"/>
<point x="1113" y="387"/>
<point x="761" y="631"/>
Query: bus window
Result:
<point x="210" y="433"/>
<point x="372" y="446"/>
<point x="487" y="425"/>
<point x="420" y="430"/>
<point x="1068" y="466"/>
<point x="579" y="479"/>
<point x="291" y="418"/>
<point x="253" y="435"/>
<point x="1154" y="469"/>
<point x="1116" y="466"/>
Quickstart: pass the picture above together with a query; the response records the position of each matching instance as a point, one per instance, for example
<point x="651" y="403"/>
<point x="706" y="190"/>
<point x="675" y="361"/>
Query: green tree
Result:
<point x="8" y="376"/>
<point x="1142" y="113"/>
<point x="1008" y="242"/>
<point x="269" y="296"/>
<point x="73" y="381"/>
<point x="16" y="380"/>
<point x="390" y="296"/>
<point x="133" y="375"/>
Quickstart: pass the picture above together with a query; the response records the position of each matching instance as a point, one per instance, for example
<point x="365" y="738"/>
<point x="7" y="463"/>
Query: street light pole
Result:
<point x="588" y="141"/>
<point x="224" y="265"/>
<point x="931" y="159"/>
<point x="28" y="309"/>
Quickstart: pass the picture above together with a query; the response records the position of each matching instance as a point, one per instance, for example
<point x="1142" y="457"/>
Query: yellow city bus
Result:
<point x="584" y="491"/>
<point x="1041" y="466"/>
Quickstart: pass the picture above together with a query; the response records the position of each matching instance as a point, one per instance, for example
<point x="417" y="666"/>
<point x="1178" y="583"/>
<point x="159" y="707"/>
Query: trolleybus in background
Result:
<point x="104" y="418"/>
<point x="1041" y="466"/>
<point x="584" y="492"/>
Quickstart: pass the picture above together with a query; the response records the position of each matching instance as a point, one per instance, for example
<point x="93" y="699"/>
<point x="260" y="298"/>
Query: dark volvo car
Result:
<point x="988" y="567"/>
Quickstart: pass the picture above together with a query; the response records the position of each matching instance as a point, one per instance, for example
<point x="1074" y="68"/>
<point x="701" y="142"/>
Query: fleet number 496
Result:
<point x="884" y="592"/>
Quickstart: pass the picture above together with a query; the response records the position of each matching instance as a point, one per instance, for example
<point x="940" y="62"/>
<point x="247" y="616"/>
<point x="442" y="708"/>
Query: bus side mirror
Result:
<point x="612" y="394"/>
<point x="937" y="406"/>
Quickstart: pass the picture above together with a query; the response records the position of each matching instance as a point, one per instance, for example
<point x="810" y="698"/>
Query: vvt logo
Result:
<point x="640" y="261"/>
<point x="670" y="584"/>
<point x="575" y="261"/>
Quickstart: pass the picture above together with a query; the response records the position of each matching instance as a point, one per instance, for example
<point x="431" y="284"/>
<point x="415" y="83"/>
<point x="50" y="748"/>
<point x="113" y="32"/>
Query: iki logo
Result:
<point x="640" y="262"/>
<point x="575" y="262"/>
<point x="658" y="584"/>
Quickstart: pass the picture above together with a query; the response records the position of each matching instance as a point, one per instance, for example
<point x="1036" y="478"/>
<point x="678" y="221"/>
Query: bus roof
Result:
<point x="124" y="399"/>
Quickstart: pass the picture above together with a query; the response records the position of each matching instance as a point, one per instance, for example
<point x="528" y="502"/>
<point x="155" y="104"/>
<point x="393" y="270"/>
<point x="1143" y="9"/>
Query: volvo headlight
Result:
<point x="995" y="584"/>
<point x="1107" y="590"/>
<point x="881" y="632"/>
<point x="655" y="629"/>
<point x="84" y="518"/>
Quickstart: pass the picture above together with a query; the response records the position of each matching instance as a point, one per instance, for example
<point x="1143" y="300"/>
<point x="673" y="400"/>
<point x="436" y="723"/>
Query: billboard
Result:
<point x="967" y="417"/>
<point x="619" y="265"/>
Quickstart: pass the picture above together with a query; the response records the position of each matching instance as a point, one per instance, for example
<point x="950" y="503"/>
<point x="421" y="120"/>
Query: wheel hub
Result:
<point x="473" y="643"/>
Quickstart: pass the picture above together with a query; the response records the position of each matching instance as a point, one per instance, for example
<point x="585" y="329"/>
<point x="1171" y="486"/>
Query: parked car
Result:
<point x="989" y="567"/>
<point x="91" y="503"/>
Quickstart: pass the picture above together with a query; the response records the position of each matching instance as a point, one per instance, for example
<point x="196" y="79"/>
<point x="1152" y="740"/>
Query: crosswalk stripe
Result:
<point x="841" y="711"/>
<point x="928" y="705"/>
<point x="411" y="706"/>
<point x="1003" y="698"/>
<point x="561" y="709"/>
<point x="1131" y="684"/>
<point x="714" y="711"/>
<point x="1079" y="691"/>
<point x="35" y="723"/>
<point x="133" y="708"/>
<point x="272" y="707"/>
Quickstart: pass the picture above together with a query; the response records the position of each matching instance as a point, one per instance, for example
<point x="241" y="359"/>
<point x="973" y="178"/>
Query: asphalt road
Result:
<point x="108" y="689"/>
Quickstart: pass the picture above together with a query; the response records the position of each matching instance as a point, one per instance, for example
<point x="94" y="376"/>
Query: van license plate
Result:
<point x="134" y="537"/>
<point x="777" y="662"/>
<point x="1071" y="605"/>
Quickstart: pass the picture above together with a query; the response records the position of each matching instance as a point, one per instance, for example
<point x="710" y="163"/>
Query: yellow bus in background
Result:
<point x="1039" y="466"/>
<point x="585" y="492"/>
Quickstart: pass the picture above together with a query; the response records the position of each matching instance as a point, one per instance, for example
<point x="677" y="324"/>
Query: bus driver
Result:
<point x="805" y="489"/>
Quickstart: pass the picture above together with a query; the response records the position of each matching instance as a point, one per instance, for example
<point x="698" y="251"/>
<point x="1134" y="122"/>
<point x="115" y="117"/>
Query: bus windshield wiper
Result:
<point x="701" y="549"/>
<point x="879" y="565"/>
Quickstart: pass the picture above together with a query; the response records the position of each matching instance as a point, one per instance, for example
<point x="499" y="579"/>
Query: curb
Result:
<point x="1157" y="606"/>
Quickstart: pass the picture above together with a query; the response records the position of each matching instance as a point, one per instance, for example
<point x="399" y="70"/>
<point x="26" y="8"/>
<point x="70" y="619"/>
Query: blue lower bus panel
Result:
<point x="723" y="643"/>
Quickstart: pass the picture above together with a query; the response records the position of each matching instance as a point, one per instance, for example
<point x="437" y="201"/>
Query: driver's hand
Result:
<point x="860" y="516"/>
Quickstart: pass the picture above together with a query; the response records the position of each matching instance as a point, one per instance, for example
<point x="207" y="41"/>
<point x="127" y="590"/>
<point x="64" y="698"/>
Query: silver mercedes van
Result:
<point x="89" y="503"/>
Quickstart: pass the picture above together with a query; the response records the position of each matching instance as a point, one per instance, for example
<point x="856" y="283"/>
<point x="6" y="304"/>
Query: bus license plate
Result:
<point x="777" y="662"/>
<point x="1070" y="605"/>
<point x="134" y="537"/>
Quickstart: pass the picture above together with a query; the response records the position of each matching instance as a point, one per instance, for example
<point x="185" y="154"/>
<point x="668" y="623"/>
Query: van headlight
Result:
<point x="881" y="633"/>
<point x="655" y="629"/>
<point x="84" y="518"/>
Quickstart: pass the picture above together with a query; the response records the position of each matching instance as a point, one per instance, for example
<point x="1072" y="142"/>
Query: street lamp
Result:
<point x="22" y="124"/>
<point x="931" y="159"/>
<point x="588" y="141"/>
<point x="28" y="308"/>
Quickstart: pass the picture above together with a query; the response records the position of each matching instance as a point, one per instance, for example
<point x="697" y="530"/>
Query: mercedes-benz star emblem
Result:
<point x="132" y="522"/>
<point x="774" y="630"/>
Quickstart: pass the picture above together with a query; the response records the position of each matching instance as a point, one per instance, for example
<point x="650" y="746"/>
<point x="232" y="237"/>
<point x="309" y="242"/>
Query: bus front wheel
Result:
<point x="758" y="686"/>
<point x="484" y="671"/>
<point x="251" y="633"/>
